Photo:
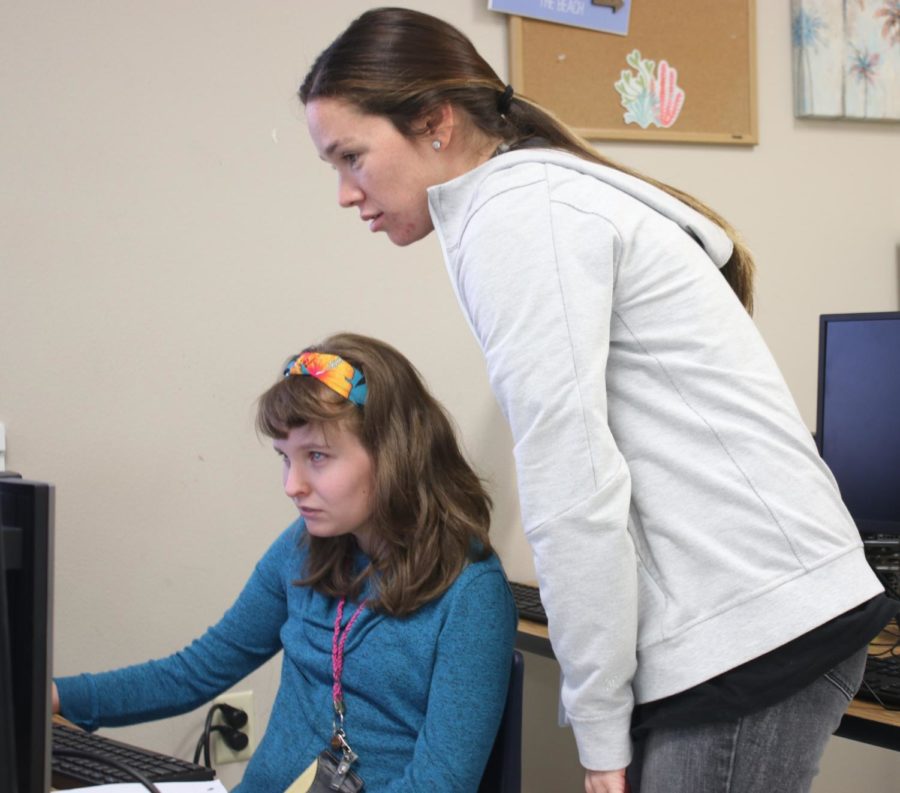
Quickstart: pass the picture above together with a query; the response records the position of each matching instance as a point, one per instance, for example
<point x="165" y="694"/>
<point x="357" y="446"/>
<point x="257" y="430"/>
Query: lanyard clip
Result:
<point x="348" y="756"/>
<point x="337" y="723"/>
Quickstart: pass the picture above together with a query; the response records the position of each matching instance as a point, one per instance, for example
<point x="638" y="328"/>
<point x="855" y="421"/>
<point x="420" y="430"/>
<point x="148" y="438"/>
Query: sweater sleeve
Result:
<point x="536" y="279"/>
<point x="245" y="637"/>
<point x="468" y="689"/>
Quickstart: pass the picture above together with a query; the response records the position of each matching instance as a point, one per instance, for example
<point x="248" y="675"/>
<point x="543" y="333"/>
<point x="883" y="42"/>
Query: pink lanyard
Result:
<point x="337" y="659"/>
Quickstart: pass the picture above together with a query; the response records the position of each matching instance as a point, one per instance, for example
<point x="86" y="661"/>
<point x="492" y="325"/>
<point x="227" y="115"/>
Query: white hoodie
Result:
<point x="681" y="519"/>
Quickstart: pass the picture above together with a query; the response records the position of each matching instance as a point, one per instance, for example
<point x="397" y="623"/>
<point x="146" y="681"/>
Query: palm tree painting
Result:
<point x="816" y="39"/>
<point x="807" y="29"/>
<point x="846" y="56"/>
<point x="864" y="69"/>
<point x="890" y="15"/>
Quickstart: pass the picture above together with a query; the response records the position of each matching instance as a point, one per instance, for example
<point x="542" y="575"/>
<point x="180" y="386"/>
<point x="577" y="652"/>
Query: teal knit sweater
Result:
<point x="423" y="694"/>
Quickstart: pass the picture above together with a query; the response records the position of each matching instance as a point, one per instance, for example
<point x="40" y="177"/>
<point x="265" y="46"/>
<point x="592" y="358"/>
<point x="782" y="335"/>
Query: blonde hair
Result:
<point x="404" y="64"/>
<point x="430" y="513"/>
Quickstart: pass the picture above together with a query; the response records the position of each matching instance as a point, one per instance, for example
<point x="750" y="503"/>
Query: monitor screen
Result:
<point x="858" y="424"/>
<point x="26" y="560"/>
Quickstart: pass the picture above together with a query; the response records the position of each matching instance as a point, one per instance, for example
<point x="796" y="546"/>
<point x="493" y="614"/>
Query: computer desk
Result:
<point x="865" y="721"/>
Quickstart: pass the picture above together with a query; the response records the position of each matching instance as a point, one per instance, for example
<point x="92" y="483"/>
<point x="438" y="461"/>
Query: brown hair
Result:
<point x="403" y="64"/>
<point x="430" y="512"/>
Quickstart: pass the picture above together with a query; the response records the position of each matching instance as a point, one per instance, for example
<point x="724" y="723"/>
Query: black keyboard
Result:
<point x="890" y="579"/>
<point x="883" y="555"/>
<point x="881" y="681"/>
<point x="69" y="772"/>
<point x="528" y="602"/>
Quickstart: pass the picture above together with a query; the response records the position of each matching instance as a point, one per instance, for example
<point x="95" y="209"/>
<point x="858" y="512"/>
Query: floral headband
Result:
<point x="333" y="371"/>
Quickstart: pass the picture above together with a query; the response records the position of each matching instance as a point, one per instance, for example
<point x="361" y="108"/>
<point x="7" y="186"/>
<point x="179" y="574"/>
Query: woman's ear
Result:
<point x="438" y="124"/>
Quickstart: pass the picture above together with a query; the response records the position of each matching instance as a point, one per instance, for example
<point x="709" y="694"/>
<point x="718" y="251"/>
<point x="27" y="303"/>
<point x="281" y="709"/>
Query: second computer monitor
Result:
<point x="858" y="424"/>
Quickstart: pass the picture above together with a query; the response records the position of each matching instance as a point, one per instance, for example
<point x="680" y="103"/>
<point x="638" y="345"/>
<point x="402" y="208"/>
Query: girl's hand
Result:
<point x="605" y="782"/>
<point x="55" y="699"/>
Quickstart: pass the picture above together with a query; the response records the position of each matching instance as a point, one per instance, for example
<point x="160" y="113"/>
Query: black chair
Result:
<point x="503" y="772"/>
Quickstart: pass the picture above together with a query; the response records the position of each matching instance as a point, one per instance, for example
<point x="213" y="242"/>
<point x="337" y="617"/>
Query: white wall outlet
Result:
<point x="222" y="753"/>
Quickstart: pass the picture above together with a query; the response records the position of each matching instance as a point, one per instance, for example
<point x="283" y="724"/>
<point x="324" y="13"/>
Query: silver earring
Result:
<point x="436" y="145"/>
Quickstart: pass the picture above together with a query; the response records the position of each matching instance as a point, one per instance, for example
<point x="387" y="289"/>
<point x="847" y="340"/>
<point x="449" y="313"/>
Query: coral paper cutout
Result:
<point x="650" y="96"/>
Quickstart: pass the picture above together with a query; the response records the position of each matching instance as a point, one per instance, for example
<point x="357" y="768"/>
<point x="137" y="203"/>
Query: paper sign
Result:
<point x="607" y="16"/>
<point x="213" y="786"/>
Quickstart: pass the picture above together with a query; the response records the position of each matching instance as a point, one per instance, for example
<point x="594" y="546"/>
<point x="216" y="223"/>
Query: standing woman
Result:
<point x="705" y="586"/>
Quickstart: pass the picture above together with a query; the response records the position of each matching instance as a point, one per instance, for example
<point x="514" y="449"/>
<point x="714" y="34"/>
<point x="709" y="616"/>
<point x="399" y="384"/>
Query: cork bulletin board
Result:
<point x="692" y="80"/>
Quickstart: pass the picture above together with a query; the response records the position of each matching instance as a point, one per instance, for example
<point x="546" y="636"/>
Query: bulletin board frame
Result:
<point x="711" y="44"/>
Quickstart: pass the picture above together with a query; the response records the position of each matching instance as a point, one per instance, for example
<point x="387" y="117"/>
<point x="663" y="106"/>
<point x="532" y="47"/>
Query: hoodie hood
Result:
<point x="450" y="201"/>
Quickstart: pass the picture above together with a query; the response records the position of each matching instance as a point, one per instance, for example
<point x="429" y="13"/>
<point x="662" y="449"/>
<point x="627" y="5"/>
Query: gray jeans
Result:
<point x="775" y="750"/>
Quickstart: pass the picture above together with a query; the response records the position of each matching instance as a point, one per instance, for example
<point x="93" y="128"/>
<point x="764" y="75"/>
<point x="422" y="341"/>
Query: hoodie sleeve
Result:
<point x="535" y="278"/>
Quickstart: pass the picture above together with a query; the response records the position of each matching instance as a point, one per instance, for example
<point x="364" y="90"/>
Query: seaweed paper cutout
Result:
<point x="650" y="96"/>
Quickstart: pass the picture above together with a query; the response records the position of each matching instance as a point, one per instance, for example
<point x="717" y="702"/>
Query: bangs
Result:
<point x="297" y="400"/>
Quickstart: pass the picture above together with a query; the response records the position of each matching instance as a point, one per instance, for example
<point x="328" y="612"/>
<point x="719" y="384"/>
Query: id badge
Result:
<point x="333" y="775"/>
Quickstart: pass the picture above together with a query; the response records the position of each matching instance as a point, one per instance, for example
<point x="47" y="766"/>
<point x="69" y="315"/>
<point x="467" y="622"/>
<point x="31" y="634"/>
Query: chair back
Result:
<point x="503" y="772"/>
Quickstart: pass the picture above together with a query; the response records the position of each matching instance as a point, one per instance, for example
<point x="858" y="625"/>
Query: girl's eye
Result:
<point x="351" y="159"/>
<point x="316" y="457"/>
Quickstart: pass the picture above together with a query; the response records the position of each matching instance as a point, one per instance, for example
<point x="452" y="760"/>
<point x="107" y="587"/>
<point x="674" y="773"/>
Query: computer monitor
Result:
<point x="26" y="597"/>
<point x="858" y="424"/>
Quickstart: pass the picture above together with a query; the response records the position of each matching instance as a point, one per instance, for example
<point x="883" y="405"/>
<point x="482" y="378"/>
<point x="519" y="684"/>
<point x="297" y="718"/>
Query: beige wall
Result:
<point x="168" y="236"/>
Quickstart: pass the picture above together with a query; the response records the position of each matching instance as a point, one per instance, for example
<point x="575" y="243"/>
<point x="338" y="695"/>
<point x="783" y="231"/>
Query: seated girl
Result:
<point x="393" y="613"/>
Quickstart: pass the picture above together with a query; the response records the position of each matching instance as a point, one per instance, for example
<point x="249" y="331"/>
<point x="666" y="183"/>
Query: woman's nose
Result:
<point x="349" y="193"/>
<point x="295" y="483"/>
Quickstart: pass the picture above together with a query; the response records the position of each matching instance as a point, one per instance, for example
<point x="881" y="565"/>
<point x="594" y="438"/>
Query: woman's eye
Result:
<point x="351" y="159"/>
